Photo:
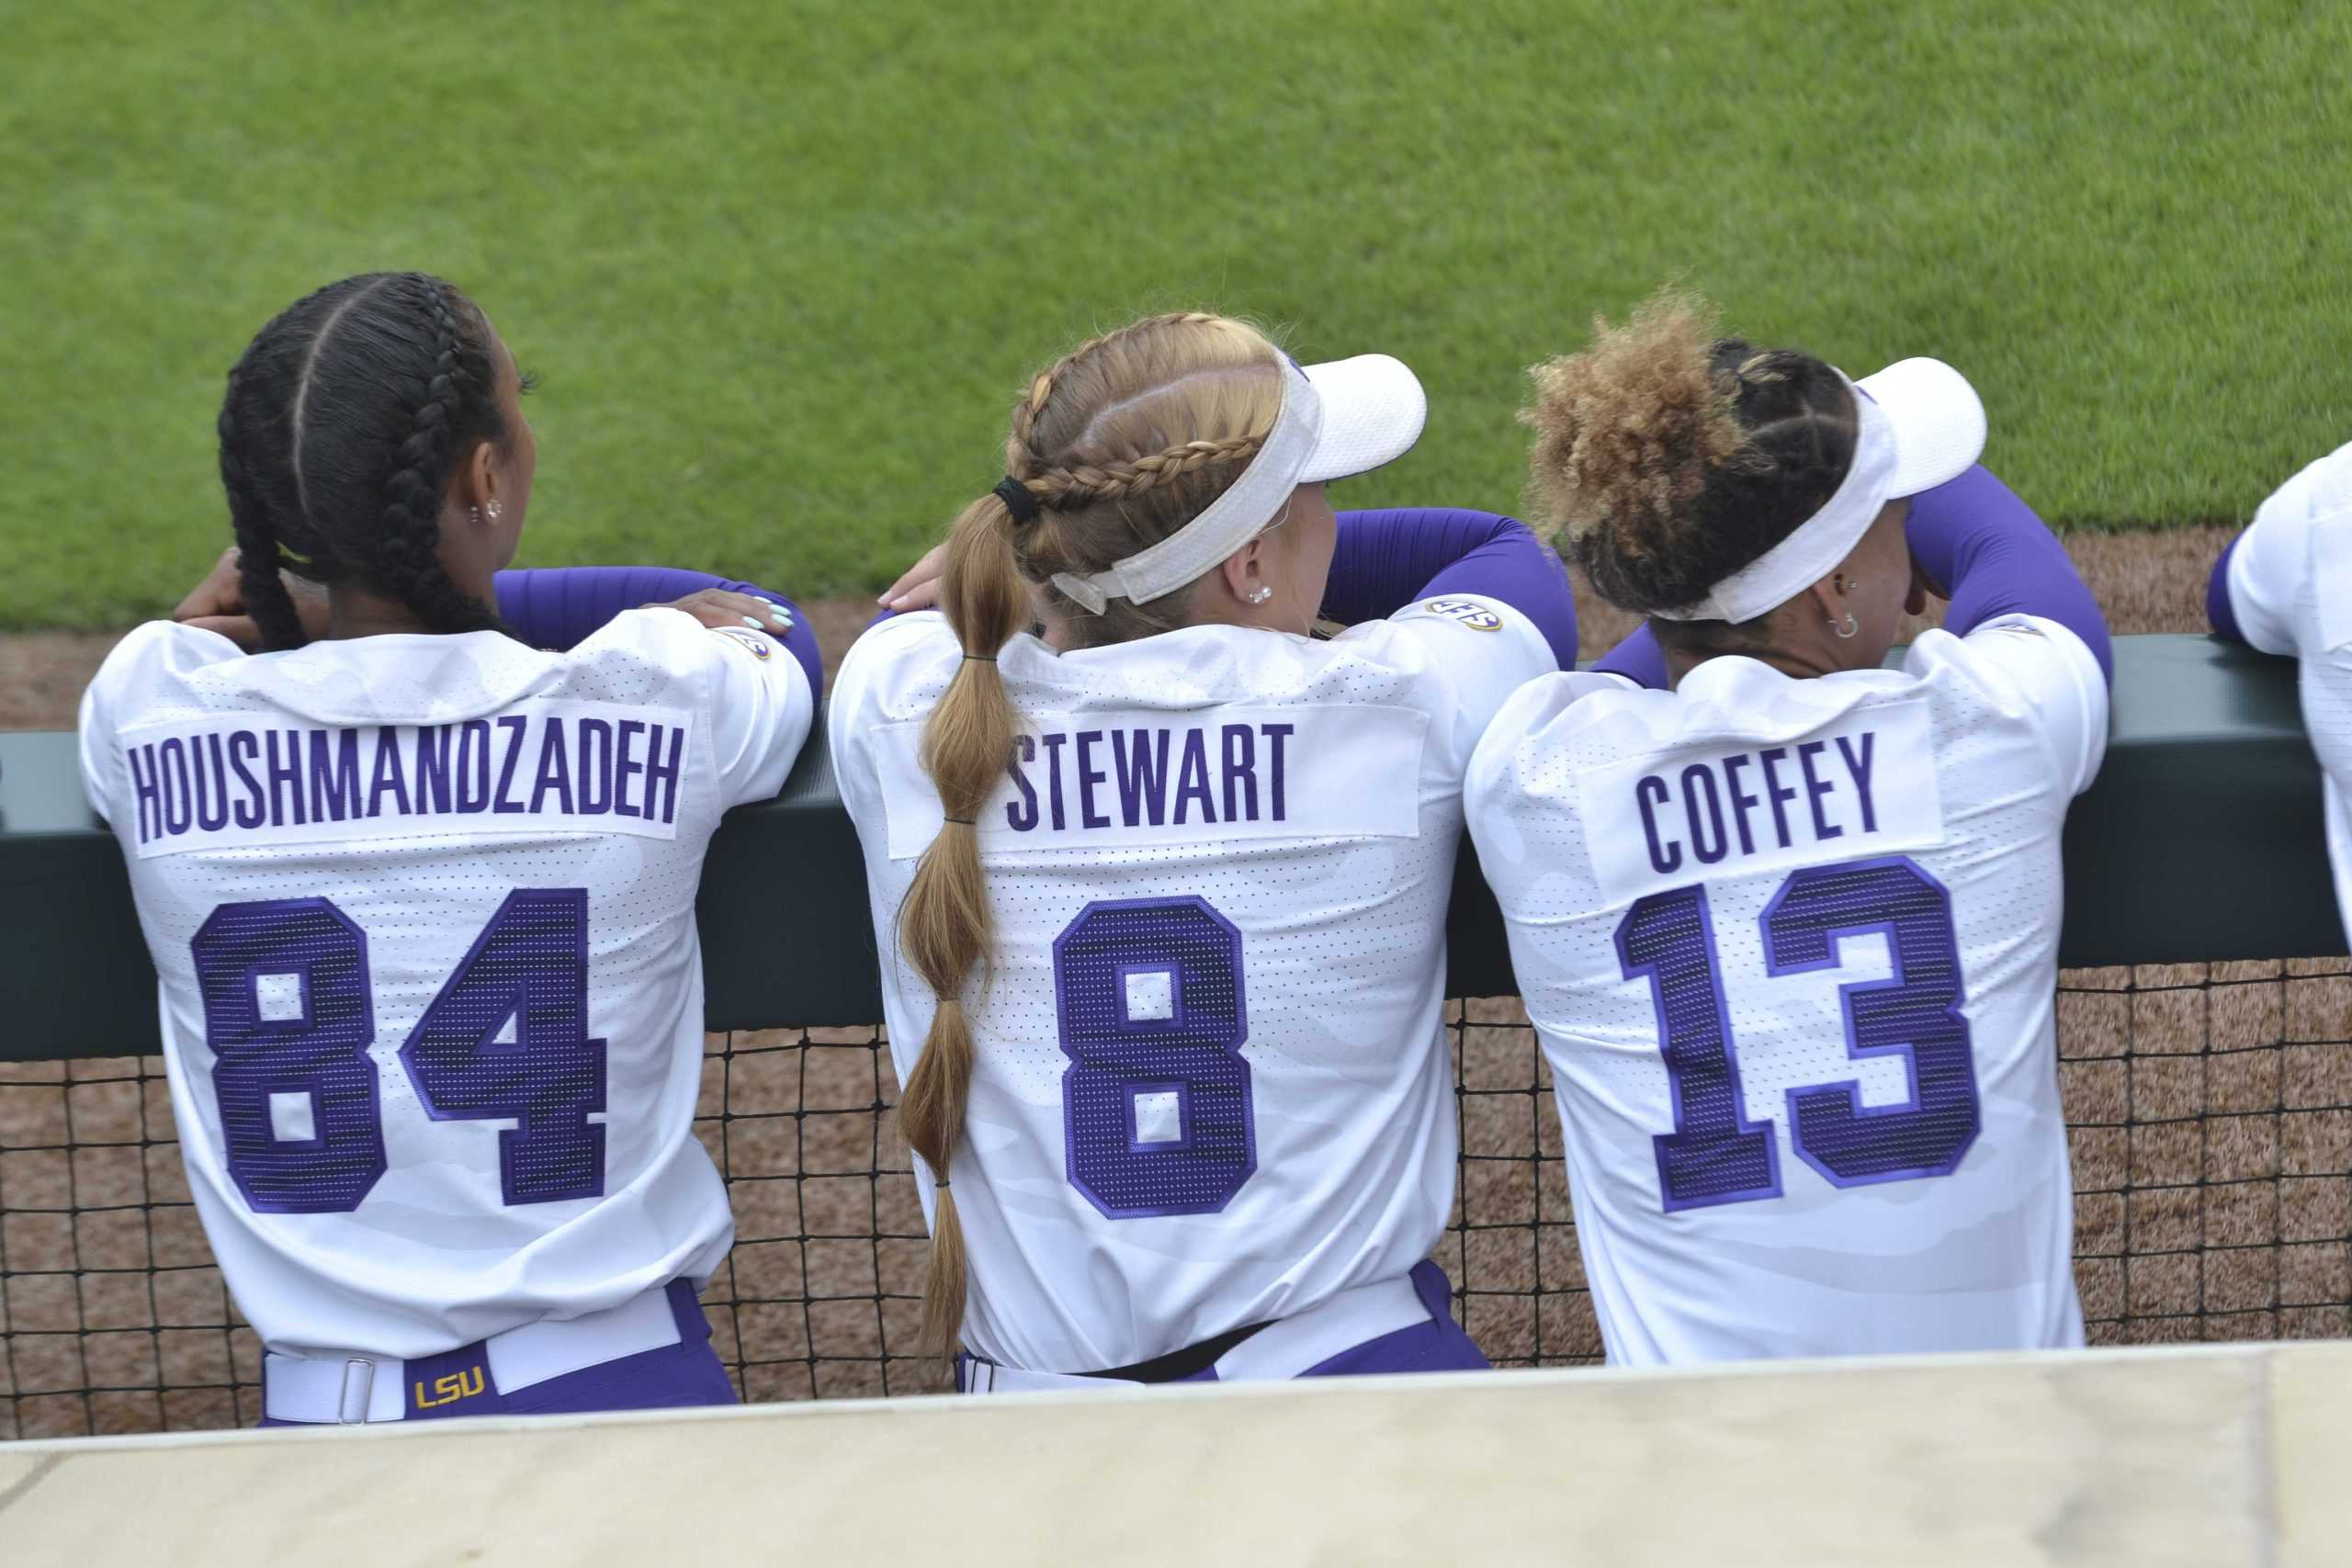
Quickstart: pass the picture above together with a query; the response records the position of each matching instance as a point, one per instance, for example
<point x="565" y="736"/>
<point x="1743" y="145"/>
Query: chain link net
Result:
<point x="2209" y="1108"/>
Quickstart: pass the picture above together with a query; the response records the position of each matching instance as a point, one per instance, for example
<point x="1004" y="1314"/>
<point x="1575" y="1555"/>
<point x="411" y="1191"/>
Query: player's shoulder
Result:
<point x="160" y="652"/>
<point x="666" y="639"/>
<point x="2321" y="489"/>
<point x="1473" y="625"/>
<point x="901" y="636"/>
<point x="653" y="630"/>
<point x="893" y="656"/>
<point x="2022" y="673"/>
<point x="1470" y="643"/>
<point x="1549" y="712"/>
<point x="2003" y="656"/>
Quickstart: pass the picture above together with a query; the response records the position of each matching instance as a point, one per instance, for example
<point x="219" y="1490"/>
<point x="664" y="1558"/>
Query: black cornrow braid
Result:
<point x="410" y="565"/>
<point x="262" y="526"/>
<point x="259" y="558"/>
<point x="392" y="377"/>
<point x="1799" y="444"/>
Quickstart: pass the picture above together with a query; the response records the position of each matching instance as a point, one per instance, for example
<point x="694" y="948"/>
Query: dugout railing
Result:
<point x="2206" y="1047"/>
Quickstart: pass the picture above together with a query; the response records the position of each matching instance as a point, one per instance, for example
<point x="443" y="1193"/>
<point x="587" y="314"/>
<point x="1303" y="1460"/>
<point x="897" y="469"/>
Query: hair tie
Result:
<point x="1018" y="499"/>
<point x="963" y="822"/>
<point x="981" y="658"/>
<point x="939" y="1182"/>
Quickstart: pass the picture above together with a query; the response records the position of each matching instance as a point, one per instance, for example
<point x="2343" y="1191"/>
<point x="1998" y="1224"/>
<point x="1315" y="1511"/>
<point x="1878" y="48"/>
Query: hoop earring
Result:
<point x="1849" y="628"/>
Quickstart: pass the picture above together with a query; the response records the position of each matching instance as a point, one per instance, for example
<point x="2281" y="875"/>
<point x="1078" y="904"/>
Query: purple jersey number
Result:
<point x="1913" y="1014"/>
<point x="526" y="980"/>
<point x="1156" y="1104"/>
<point x="288" y="1018"/>
<point x="1715" y="1155"/>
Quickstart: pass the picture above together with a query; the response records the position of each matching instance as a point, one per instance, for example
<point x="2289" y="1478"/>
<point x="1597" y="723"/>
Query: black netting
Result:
<point x="2210" y="1113"/>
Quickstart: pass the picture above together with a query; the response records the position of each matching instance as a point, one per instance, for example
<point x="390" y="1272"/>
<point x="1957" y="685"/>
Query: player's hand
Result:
<point x="722" y="609"/>
<point x="918" y="588"/>
<point x="222" y="591"/>
<point x="217" y="604"/>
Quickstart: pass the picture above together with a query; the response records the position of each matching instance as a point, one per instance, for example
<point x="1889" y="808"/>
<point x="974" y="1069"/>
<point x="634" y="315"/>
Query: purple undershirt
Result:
<point x="2219" y="614"/>
<point x="1986" y="547"/>
<point x="1387" y="559"/>
<point x="556" y="607"/>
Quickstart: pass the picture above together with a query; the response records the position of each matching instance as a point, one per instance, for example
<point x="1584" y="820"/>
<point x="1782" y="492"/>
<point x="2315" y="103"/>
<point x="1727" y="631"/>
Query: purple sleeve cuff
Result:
<point x="560" y="607"/>
<point x="2219" y="614"/>
<point x="1386" y="559"/>
<point x="1987" y="549"/>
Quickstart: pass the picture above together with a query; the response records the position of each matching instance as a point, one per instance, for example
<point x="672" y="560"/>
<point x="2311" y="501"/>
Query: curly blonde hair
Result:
<point x="1667" y="457"/>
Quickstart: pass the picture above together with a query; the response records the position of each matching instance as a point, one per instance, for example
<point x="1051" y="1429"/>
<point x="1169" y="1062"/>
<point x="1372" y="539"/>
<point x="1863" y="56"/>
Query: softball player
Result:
<point x="1160" y="893"/>
<point x="421" y="896"/>
<point x="2285" y="586"/>
<point x="1789" y="929"/>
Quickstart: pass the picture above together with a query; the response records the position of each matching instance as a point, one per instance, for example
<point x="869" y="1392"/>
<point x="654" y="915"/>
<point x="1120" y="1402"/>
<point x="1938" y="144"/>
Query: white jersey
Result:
<point x="2290" y="587"/>
<point x="423" y="911"/>
<point x="1791" y="947"/>
<point x="1210" y="1084"/>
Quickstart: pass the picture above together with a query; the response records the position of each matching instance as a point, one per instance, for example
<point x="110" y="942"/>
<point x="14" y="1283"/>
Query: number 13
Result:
<point x="1715" y="1155"/>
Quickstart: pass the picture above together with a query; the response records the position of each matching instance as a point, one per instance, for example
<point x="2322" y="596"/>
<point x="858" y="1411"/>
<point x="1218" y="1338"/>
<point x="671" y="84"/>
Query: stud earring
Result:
<point x="1260" y="593"/>
<point x="493" y="509"/>
<point x="1850" y="627"/>
<point x="473" y="516"/>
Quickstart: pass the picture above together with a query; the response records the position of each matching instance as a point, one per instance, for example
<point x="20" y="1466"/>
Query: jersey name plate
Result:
<point x="1864" y="784"/>
<point x="1115" y="779"/>
<point x="555" y="766"/>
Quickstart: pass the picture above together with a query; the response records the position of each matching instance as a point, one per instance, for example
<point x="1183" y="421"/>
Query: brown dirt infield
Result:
<point x="2211" y="1148"/>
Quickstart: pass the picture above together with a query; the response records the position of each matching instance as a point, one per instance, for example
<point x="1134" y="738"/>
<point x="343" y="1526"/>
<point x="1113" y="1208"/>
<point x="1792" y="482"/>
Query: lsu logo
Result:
<point x="449" y="1390"/>
<point x="757" y="642"/>
<point x="1469" y="611"/>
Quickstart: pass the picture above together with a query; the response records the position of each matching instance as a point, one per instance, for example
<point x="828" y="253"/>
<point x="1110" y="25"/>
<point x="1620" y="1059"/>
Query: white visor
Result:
<point x="1919" y="425"/>
<point x="1345" y="418"/>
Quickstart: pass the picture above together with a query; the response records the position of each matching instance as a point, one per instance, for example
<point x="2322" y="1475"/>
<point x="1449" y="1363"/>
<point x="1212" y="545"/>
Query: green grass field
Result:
<point x="781" y="267"/>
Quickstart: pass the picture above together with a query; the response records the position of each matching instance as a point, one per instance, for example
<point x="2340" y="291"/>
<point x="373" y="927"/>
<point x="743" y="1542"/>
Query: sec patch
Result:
<point x="1469" y="611"/>
<point x="760" y="645"/>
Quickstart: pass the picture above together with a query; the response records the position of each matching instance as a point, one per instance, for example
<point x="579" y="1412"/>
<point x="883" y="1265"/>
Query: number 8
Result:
<point x="288" y="1018"/>
<point x="1156" y="1116"/>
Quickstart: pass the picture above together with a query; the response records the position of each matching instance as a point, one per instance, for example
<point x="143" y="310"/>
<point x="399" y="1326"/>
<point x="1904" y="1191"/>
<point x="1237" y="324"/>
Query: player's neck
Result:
<point x="355" y="612"/>
<point x="1796" y="663"/>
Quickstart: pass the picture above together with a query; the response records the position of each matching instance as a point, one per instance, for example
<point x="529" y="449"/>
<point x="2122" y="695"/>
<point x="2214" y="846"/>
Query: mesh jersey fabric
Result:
<point x="1210" y="1084"/>
<point x="1790" y="946"/>
<point x="422" y="909"/>
<point x="2289" y="582"/>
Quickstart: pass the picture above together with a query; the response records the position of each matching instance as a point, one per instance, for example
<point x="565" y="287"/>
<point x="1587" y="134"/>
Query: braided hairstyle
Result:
<point x="343" y="423"/>
<point x="1668" y="458"/>
<point x="1120" y="444"/>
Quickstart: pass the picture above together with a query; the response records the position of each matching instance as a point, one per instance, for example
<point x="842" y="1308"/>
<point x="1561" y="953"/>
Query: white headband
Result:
<point x="1231" y="521"/>
<point x="1816" y="545"/>
<point x="1918" y="423"/>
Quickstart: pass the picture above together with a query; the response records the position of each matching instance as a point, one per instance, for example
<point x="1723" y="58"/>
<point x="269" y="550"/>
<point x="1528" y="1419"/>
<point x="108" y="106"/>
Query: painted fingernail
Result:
<point x="751" y="622"/>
